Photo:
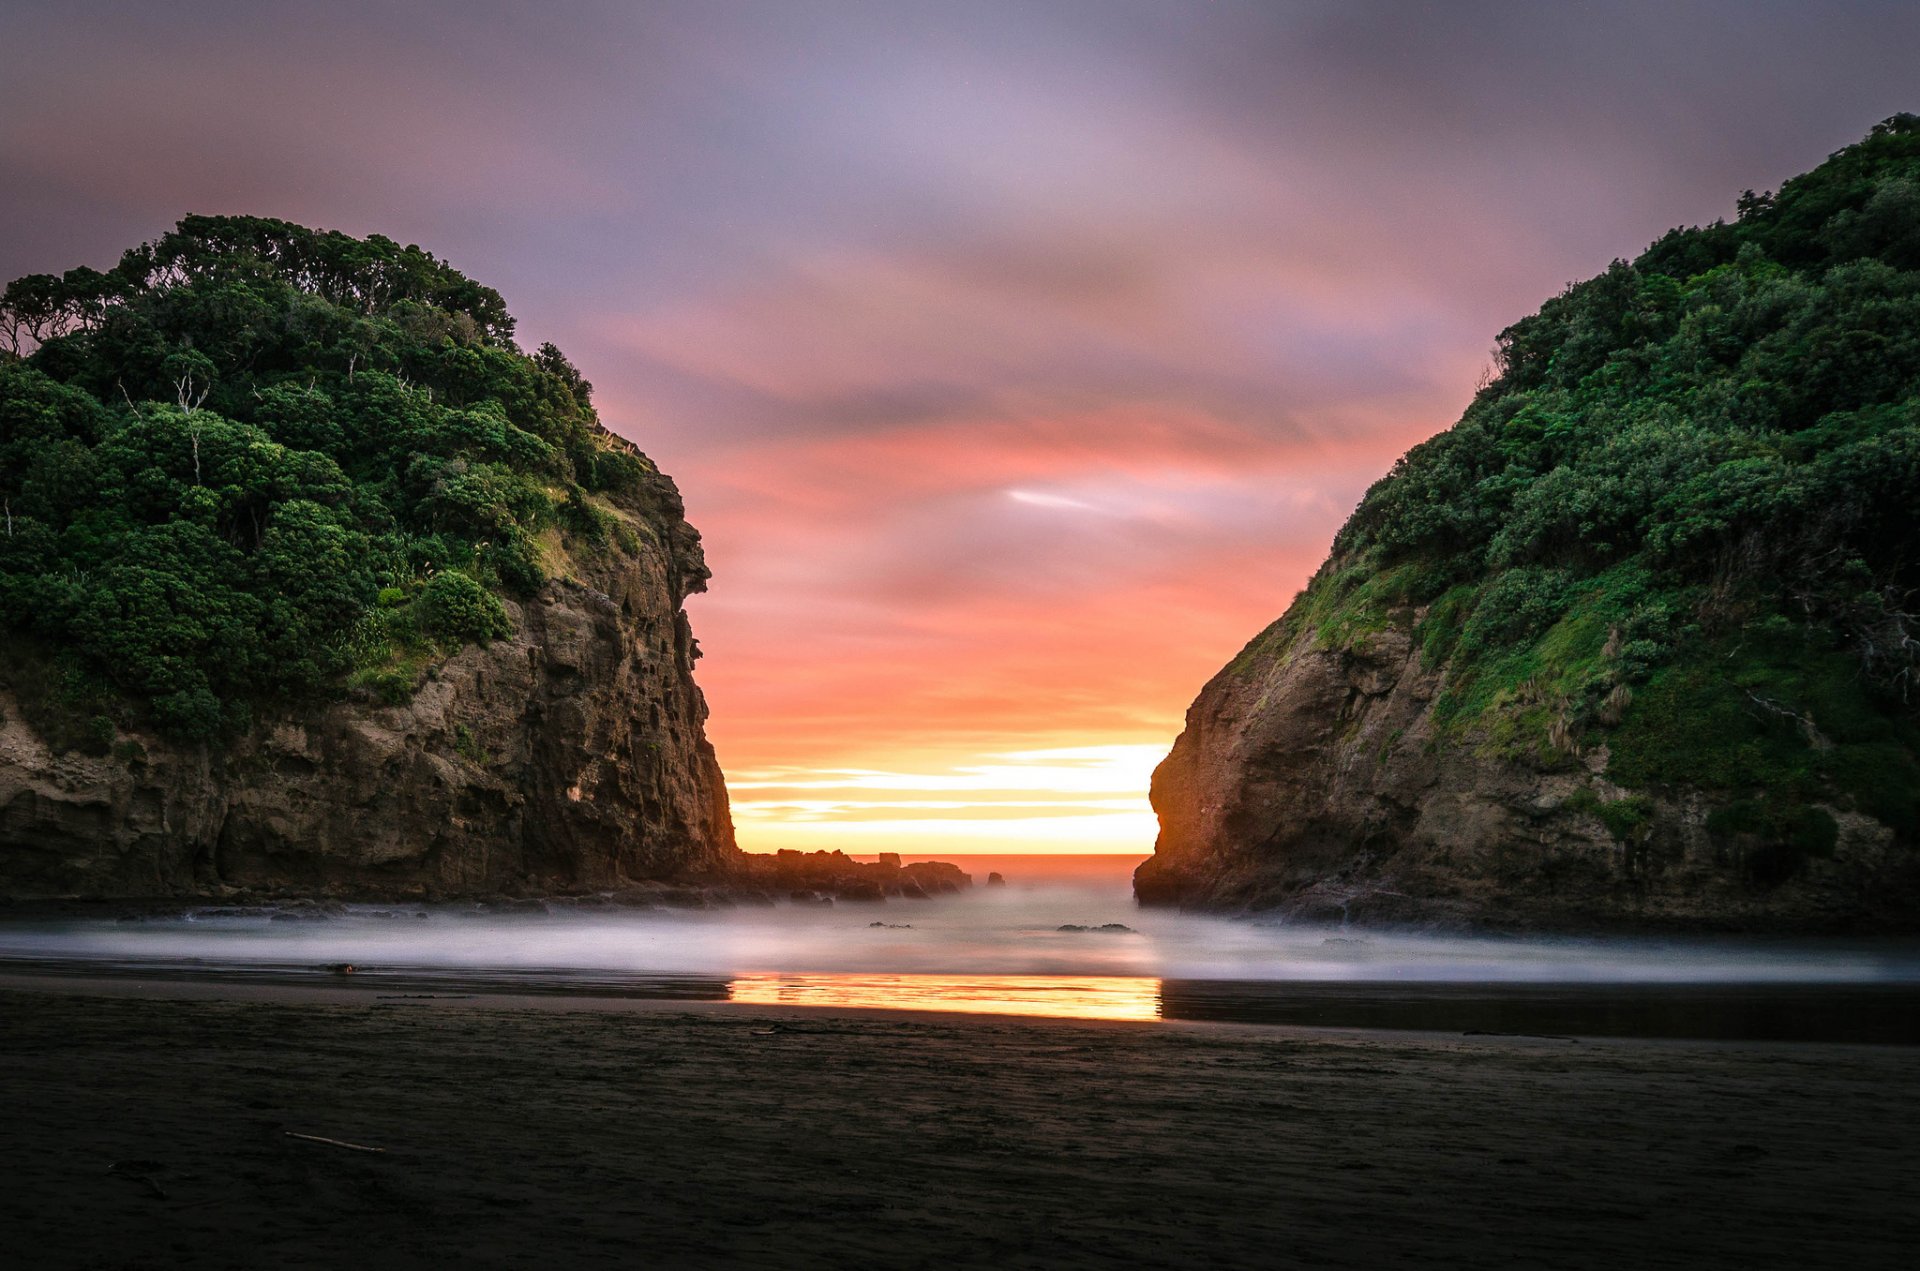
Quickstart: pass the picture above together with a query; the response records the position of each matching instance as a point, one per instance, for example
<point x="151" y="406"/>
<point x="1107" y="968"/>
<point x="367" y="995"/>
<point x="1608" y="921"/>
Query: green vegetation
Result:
<point x="255" y="462"/>
<point x="455" y="607"/>
<point x="1776" y="837"/>
<point x="1625" y="819"/>
<point x="468" y="747"/>
<point x="1680" y="518"/>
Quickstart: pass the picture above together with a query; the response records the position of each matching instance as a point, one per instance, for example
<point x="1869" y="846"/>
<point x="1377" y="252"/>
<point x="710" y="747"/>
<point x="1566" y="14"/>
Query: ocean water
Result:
<point x="1014" y="950"/>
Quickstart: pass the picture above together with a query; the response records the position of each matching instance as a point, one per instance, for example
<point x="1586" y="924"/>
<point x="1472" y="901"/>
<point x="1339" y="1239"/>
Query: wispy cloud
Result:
<point x="1041" y="499"/>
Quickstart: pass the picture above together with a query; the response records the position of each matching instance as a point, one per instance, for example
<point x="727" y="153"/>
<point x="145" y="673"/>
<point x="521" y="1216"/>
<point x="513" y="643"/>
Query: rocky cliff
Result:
<point x="312" y="580"/>
<point x="1632" y="645"/>
<point x="1312" y="781"/>
<point x="569" y="755"/>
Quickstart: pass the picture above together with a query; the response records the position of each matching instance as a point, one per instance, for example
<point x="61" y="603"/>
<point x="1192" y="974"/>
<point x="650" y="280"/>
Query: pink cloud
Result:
<point x="882" y="592"/>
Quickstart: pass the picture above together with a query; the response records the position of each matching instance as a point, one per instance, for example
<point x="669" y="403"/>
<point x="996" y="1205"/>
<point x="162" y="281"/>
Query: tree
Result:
<point x="214" y="457"/>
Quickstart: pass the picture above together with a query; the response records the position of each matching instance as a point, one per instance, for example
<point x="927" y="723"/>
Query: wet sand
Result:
<point x="558" y="1132"/>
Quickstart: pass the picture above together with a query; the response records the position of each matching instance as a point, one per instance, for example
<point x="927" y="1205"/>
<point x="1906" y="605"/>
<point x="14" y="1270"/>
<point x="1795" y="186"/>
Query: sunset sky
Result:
<point x="1018" y="361"/>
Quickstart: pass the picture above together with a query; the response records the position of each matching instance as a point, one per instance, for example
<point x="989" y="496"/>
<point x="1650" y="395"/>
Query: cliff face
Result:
<point x="570" y="755"/>
<point x="1312" y="781"/>
<point x="1633" y="643"/>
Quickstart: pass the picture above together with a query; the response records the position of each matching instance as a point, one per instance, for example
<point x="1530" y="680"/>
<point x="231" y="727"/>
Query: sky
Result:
<point x="1018" y="361"/>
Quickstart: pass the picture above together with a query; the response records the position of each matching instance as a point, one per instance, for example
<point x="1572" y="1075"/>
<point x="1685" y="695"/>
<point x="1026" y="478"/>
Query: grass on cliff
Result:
<point x="1679" y="521"/>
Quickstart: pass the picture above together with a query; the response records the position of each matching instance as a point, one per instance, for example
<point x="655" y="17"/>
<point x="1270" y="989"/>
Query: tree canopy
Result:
<point x="255" y="462"/>
<point x="1680" y="520"/>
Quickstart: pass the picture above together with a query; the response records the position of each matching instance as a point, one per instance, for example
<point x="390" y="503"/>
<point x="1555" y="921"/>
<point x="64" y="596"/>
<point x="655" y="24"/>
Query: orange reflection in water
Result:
<point x="1059" y="996"/>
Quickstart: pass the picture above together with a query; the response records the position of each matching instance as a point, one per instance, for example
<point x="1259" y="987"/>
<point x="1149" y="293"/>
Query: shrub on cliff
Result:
<point x="217" y="455"/>
<point x="1680" y="519"/>
<point x="456" y="608"/>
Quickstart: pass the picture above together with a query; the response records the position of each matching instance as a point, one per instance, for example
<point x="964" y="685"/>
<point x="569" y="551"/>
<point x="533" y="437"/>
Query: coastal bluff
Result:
<point x="1632" y="646"/>
<point x="569" y="755"/>
<point x="1315" y="783"/>
<point x="314" y="581"/>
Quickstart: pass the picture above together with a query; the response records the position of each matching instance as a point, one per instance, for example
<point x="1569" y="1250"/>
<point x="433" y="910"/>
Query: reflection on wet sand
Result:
<point x="1753" y="1012"/>
<point x="1122" y="997"/>
<point x="1886" y="1013"/>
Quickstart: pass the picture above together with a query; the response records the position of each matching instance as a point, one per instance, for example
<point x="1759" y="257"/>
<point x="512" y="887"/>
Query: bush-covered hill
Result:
<point x="255" y="462"/>
<point x="1682" y="522"/>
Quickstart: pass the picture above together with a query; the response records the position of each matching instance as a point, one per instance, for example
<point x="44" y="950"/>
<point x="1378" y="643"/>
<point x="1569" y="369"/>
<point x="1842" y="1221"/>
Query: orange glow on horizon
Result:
<point x="1064" y="800"/>
<point x="978" y="635"/>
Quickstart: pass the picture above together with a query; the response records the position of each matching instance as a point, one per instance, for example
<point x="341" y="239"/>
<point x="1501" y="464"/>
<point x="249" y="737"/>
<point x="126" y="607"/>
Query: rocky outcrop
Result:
<point x="570" y="756"/>
<point x="1660" y="577"/>
<point x="823" y="877"/>
<point x="1312" y="781"/>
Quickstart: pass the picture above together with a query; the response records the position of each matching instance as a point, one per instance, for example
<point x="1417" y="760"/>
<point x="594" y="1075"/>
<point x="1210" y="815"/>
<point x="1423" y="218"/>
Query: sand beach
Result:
<point x="156" y="1124"/>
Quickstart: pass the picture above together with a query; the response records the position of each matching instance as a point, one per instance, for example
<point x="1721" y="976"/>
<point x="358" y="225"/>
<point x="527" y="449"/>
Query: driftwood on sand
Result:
<point x="351" y="1147"/>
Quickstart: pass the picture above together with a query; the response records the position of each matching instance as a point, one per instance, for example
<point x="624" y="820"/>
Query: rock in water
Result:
<point x="1632" y="645"/>
<point x="809" y="874"/>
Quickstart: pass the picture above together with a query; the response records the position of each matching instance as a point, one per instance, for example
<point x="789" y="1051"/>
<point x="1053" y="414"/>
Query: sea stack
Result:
<point x="318" y="583"/>
<point x="1633" y="645"/>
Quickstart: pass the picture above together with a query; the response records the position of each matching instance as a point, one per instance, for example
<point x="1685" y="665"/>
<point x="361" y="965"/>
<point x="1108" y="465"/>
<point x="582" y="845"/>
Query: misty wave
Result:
<point x="1012" y="931"/>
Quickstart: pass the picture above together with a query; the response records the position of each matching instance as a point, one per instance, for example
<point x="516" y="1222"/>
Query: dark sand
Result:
<point x="560" y="1132"/>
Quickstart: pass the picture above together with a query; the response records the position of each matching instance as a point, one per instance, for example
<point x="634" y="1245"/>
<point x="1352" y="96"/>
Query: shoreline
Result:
<point x="899" y="895"/>
<point x="157" y="1124"/>
<point x="1794" y="1014"/>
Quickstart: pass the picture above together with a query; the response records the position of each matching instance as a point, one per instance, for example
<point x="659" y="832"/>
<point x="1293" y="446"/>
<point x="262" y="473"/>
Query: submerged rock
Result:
<point x="522" y="905"/>
<point x="307" y="911"/>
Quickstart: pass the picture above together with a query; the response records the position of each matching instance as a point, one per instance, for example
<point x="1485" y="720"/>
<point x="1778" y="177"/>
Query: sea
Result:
<point x="1061" y="937"/>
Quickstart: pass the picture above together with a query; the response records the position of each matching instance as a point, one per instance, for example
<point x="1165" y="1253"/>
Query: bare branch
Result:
<point x="1808" y="729"/>
<point x="189" y="399"/>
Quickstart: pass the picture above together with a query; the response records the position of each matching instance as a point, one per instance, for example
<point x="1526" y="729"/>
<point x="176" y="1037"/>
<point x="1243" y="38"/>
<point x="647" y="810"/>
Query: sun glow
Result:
<point x="1075" y="799"/>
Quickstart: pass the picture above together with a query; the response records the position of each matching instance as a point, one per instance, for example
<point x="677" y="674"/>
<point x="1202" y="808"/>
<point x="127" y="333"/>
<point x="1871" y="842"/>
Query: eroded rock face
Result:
<point x="572" y="755"/>
<point x="1310" y="782"/>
